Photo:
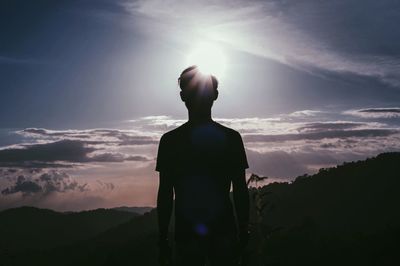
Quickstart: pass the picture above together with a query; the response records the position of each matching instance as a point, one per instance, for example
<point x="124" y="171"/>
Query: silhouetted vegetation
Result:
<point x="30" y="227"/>
<point x="346" y="215"/>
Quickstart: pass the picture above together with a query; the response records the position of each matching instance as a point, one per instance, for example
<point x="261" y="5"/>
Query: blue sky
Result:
<point x="88" y="87"/>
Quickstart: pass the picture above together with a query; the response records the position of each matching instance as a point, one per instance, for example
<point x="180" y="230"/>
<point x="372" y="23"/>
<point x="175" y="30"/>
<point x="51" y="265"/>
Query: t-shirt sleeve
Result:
<point x="239" y="154"/>
<point x="162" y="155"/>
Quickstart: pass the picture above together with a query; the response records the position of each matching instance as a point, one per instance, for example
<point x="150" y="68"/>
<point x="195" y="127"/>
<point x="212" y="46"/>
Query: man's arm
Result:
<point x="164" y="204"/>
<point x="241" y="199"/>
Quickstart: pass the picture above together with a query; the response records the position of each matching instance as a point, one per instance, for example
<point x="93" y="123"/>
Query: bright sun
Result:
<point x="209" y="58"/>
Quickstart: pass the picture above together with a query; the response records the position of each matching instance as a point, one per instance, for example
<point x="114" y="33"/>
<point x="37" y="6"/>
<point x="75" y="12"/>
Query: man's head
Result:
<point x="198" y="90"/>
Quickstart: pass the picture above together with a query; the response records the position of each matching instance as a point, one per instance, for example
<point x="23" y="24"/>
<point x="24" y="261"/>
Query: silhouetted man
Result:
<point x="199" y="161"/>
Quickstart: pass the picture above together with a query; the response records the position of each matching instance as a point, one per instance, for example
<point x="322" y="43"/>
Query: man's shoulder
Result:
<point x="174" y="133"/>
<point x="228" y="131"/>
<point x="180" y="132"/>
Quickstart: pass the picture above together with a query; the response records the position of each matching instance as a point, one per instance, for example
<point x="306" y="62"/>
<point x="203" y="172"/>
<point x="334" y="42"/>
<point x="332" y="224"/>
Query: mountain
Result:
<point x="345" y="215"/>
<point x="138" y="210"/>
<point x="30" y="227"/>
<point x="132" y="242"/>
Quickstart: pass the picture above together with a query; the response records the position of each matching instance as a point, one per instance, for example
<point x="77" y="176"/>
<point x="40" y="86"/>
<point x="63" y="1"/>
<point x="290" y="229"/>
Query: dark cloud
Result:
<point x="64" y="150"/>
<point x="44" y="183"/>
<point x="137" y="158"/>
<point x="40" y="131"/>
<point x="392" y="112"/>
<point x="70" y="134"/>
<point x="116" y="157"/>
<point x="380" y="110"/>
<point x="50" y="154"/>
<point x="328" y="145"/>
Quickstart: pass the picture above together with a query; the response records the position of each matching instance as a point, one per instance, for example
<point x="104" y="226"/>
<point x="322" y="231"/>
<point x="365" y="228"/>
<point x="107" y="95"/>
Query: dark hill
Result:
<point x="346" y="215"/>
<point x="130" y="243"/>
<point x="30" y="227"/>
<point x="139" y="210"/>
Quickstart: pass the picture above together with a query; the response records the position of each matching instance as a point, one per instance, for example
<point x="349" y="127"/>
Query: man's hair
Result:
<point x="192" y="78"/>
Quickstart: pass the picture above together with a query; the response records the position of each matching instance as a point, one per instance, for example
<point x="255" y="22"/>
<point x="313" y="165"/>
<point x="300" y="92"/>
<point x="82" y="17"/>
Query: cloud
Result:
<point x="116" y="157"/>
<point x="24" y="186"/>
<point x="303" y="34"/>
<point x="64" y="150"/>
<point x="105" y="185"/>
<point x="92" y="136"/>
<point x="335" y="125"/>
<point x="330" y="134"/>
<point x="288" y="145"/>
<point x="136" y="140"/>
<point x="70" y="151"/>
<point x="156" y="123"/>
<point x="391" y="112"/>
<point x="283" y="146"/>
<point x="39" y="182"/>
<point x="305" y="113"/>
<point x="61" y="190"/>
<point x="276" y="164"/>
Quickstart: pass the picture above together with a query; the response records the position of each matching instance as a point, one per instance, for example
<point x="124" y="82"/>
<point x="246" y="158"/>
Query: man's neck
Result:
<point x="200" y="117"/>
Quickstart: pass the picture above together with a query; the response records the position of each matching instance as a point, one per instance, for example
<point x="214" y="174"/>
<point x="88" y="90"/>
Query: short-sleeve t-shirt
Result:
<point x="199" y="160"/>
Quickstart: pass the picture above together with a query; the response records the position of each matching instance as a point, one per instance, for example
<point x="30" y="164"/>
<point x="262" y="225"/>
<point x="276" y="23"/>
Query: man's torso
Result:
<point x="199" y="159"/>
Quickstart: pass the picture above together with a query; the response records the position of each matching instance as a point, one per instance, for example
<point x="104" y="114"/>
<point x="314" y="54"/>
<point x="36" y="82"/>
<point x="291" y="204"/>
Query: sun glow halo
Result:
<point x="209" y="58"/>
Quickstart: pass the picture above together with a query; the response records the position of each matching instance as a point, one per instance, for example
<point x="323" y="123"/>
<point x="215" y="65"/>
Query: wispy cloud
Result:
<point x="303" y="34"/>
<point x="391" y="112"/>
<point x="305" y="113"/>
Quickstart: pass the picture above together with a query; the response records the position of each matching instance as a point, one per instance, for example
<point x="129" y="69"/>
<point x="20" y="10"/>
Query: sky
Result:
<point x="87" y="88"/>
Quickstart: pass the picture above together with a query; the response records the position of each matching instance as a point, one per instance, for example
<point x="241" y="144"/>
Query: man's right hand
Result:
<point x="165" y="253"/>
